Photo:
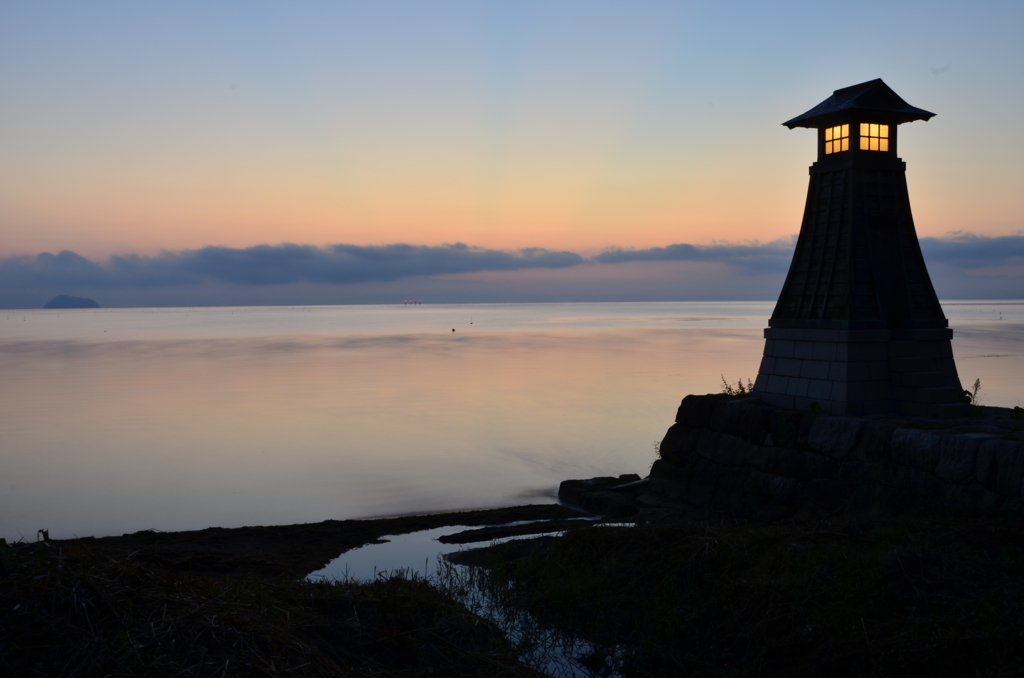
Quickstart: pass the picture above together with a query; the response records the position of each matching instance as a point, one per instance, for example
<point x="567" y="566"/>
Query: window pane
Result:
<point x="874" y="130"/>
<point x="863" y="129"/>
<point x="883" y="144"/>
<point x="846" y="144"/>
<point x="828" y="134"/>
<point x="883" y="131"/>
<point x="864" y="143"/>
<point x="874" y="144"/>
<point x="846" y="131"/>
<point x="828" y="148"/>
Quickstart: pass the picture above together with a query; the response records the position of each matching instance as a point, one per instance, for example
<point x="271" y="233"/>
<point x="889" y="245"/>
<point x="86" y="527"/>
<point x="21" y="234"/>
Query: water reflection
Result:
<point x="182" y="419"/>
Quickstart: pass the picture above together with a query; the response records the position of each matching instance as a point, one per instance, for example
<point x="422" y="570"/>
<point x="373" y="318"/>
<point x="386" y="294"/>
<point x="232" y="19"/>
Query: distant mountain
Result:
<point x="64" y="301"/>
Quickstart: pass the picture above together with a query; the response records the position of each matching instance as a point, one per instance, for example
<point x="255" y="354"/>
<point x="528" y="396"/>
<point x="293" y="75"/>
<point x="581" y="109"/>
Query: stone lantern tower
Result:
<point x="858" y="328"/>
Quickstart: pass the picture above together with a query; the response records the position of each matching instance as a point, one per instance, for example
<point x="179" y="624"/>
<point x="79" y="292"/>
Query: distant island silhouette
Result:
<point x="65" y="301"/>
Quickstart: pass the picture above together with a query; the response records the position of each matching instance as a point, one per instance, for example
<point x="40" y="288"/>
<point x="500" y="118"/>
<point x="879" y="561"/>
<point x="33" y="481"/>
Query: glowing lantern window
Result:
<point x="874" y="137"/>
<point x="837" y="139"/>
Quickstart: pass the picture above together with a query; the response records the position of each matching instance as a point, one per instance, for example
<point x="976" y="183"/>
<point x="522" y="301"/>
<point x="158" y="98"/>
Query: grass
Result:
<point x="918" y="594"/>
<point x="923" y="594"/>
<point x="74" y="612"/>
<point x="738" y="389"/>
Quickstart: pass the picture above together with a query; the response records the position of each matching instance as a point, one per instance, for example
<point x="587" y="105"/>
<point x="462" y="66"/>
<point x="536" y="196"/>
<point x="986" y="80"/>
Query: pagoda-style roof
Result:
<point x="873" y="96"/>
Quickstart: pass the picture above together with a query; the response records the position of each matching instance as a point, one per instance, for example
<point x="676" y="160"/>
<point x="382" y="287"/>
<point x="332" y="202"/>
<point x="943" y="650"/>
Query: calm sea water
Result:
<point x="117" y="420"/>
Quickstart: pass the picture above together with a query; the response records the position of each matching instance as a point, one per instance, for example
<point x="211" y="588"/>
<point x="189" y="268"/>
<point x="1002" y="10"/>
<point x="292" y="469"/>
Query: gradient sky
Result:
<point x="140" y="128"/>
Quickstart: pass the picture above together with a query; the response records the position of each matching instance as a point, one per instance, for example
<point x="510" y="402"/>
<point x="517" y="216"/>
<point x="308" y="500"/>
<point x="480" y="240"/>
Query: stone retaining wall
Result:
<point x="741" y="455"/>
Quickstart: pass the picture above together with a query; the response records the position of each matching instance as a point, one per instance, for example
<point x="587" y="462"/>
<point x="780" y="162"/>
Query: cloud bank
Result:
<point x="273" y="265"/>
<point x="962" y="265"/>
<point x="772" y="257"/>
<point x="970" y="251"/>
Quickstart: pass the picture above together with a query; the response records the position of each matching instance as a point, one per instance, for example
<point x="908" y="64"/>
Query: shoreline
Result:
<point x="295" y="550"/>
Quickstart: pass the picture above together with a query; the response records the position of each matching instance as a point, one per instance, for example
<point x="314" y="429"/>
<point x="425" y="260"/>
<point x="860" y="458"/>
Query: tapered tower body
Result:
<point x="858" y="328"/>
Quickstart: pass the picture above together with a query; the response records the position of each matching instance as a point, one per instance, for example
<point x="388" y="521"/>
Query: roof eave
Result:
<point x="823" y="119"/>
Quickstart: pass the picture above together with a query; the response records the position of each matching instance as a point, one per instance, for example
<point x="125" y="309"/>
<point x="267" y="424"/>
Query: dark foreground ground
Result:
<point x="922" y="593"/>
<point x="233" y="602"/>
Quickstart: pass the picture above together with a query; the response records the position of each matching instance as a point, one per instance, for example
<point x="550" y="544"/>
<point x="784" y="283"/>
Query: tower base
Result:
<point x="857" y="372"/>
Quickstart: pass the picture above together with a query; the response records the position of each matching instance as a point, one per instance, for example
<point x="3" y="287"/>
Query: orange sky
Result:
<point x="579" y="128"/>
<point x="581" y="202"/>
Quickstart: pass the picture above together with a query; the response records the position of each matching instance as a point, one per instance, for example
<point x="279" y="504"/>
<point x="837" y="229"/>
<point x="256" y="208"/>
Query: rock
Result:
<point x="702" y="484"/>
<point x="742" y="417"/>
<point x="1014" y="504"/>
<point x="609" y="504"/>
<point x="651" y="500"/>
<point x="785" y="490"/>
<point x="835" y="436"/>
<point x="756" y="423"/>
<point x="985" y="466"/>
<point x="572" y="491"/>
<point x="925" y="485"/>
<point x="957" y="456"/>
<point x="726" y="415"/>
<point x="65" y="301"/>
<point x="678" y="442"/>
<point x="728" y="451"/>
<point x="707" y="443"/>
<point x="735" y="453"/>
<point x="914" y="447"/>
<point x="970" y="497"/>
<point x="729" y="491"/>
<point x="785" y="427"/>
<point x="980" y="498"/>
<point x="667" y="479"/>
<point x="791" y="463"/>
<point x="695" y="411"/>
<point x="862" y="472"/>
<point x="874" y="441"/>
<point x="628" y="481"/>
<point x="598" y="495"/>
<point x="1009" y="465"/>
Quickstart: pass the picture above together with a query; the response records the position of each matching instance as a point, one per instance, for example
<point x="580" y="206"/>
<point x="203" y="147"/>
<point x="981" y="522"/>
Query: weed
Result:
<point x="972" y="396"/>
<point x="738" y="389"/>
